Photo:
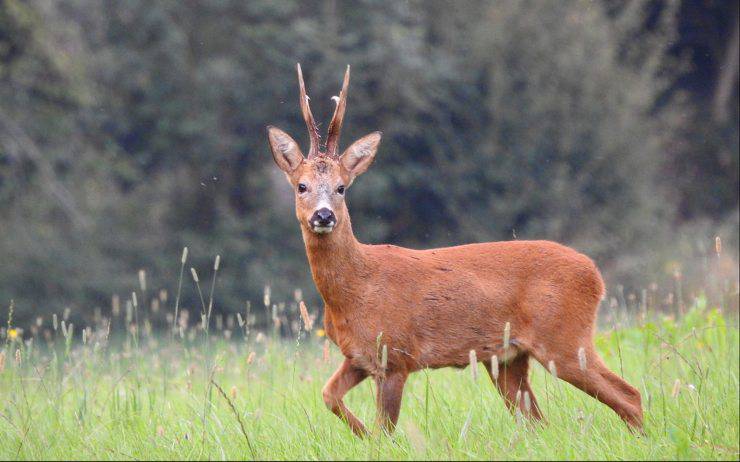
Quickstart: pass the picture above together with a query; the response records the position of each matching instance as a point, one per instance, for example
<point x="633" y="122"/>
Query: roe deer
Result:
<point x="430" y="308"/>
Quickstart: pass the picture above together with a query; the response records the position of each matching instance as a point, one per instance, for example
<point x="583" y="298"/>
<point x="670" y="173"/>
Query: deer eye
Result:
<point x="340" y="189"/>
<point x="302" y="188"/>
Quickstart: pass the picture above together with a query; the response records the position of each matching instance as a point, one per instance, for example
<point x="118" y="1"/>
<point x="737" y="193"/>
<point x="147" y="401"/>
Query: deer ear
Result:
<point x="358" y="157"/>
<point x="285" y="150"/>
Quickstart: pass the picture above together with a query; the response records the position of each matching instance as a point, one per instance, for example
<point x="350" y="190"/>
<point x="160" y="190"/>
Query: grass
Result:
<point x="138" y="395"/>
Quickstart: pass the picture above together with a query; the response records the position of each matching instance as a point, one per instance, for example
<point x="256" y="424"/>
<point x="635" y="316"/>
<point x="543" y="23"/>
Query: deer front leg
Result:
<point x="390" y="392"/>
<point x="342" y="381"/>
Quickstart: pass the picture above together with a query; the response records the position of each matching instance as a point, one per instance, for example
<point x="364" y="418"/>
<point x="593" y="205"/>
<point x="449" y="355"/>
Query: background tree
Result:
<point x="130" y="129"/>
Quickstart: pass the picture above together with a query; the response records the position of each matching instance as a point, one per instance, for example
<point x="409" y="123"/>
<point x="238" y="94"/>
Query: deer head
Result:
<point x="321" y="179"/>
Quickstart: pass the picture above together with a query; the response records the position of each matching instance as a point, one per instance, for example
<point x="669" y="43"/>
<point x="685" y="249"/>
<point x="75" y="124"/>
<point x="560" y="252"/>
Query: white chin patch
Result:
<point x="322" y="229"/>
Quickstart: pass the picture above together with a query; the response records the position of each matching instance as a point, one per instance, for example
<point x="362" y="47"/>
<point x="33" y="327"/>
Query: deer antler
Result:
<point x="335" y="126"/>
<point x="313" y="129"/>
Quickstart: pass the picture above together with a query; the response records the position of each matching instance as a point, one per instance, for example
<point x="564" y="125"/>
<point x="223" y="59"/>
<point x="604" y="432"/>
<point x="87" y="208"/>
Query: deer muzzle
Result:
<point x="323" y="221"/>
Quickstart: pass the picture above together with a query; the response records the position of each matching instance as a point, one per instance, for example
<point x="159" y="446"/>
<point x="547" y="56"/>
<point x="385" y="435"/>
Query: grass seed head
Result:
<point x="551" y="367"/>
<point x="527" y="402"/>
<point x="582" y="358"/>
<point x="142" y="280"/>
<point x="134" y="300"/>
<point x="18" y="357"/>
<point x="194" y="274"/>
<point x="676" y="388"/>
<point x="266" y="296"/>
<point x="55" y="321"/>
<point x="115" y="305"/>
<point x="184" y="255"/>
<point x="494" y="367"/>
<point x="217" y="263"/>
<point x="307" y="321"/>
<point x="473" y="364"/>
<point x="2" y="361"/>
<point x="250" y="358"/>
<point x="384" y="358"/>
<point x="507" y="334"/>
<point x="718" y="245"/>
<point x="326" y="351"/>
<point x="233" y="392"/>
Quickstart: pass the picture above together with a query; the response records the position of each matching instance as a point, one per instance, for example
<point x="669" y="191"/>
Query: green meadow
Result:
<point x="232" y="392"/>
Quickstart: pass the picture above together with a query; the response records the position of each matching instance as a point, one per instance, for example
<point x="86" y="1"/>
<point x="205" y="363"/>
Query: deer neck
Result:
<point x="337" y="263"/>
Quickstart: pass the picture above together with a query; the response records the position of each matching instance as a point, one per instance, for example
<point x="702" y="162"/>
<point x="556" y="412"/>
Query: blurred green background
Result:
<point x="130" y="129"/>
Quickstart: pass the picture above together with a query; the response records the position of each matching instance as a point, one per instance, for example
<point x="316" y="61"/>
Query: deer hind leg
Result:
<point x="601" y="383"/>
<point x="343" y="380"/>
<point x="513" y="384"/>
<point x="390" y="392"/>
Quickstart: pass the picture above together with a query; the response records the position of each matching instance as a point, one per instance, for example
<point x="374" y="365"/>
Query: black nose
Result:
<point x="323" y="217"/>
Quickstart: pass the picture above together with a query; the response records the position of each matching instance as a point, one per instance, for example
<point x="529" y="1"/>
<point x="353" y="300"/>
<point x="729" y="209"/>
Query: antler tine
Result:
<point x="313" y="130"/>
<point x="335" y="126"/>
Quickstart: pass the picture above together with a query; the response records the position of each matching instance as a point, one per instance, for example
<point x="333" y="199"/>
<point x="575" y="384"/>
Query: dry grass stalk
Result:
<point x="2" y="361"/>
<point x="551" y="367"/>
<point x="238" y="417"/>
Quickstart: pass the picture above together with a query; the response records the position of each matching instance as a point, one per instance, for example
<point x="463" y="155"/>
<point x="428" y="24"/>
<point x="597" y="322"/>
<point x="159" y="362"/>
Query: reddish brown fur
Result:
<point x="433" y="306"/>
